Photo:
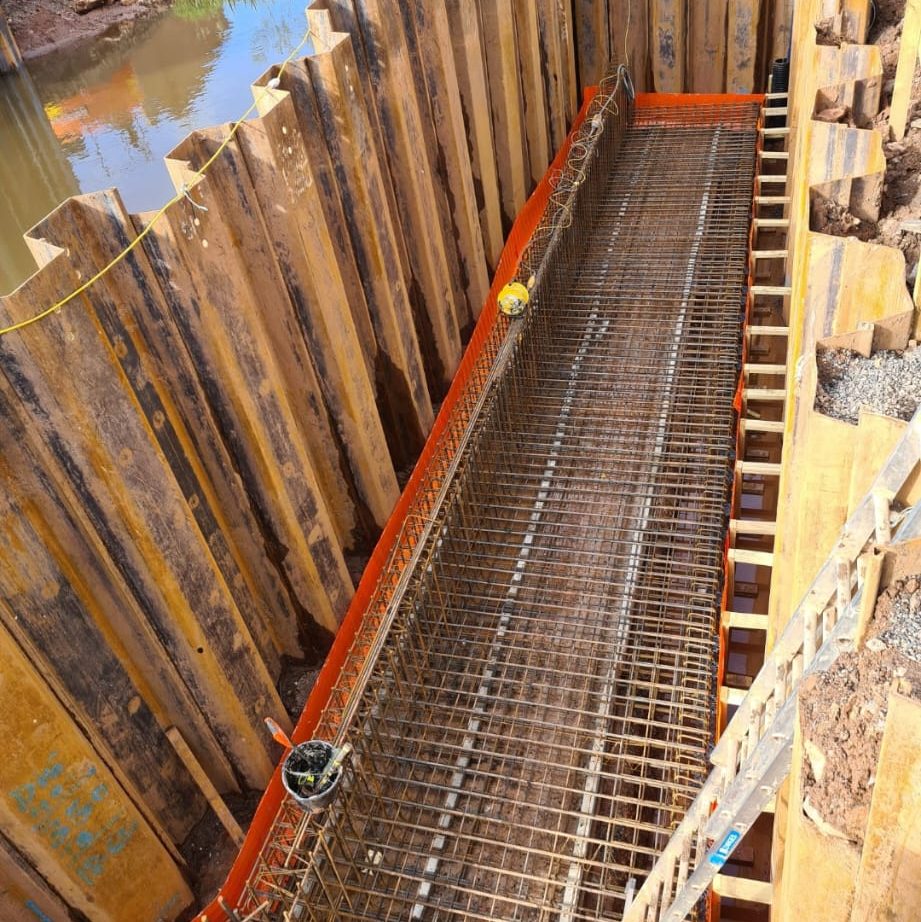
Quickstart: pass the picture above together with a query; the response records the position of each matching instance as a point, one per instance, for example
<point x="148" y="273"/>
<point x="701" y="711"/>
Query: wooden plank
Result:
<point x="707" y="39"/>
<point x="327" y="84"/>
<point x="24" y="895"/>
<point x="744" y="888"/>
<point x="460" y="219"/>
<point x="905" y="70"/>
<point x="65" y="812"/>
<point x="755" y="558"/>
<point x="761" y="425"/>
<point x="751" y="527"/>
<point x="747" y="621"/>
<point x="889" y="875"/>
<point x="393" y="84"/>
<point x="473" y="83"/>
<point x="668" y="45"/>
<point x="534" y="91"/>
<point x="277" y="161"/>
<point x="98" y="444"/>
<point x="742" y="45"/>
<point x="506" y="106"/>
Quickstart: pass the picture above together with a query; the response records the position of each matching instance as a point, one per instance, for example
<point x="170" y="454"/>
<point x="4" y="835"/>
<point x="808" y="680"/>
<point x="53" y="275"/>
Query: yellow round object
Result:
<point x="513" y="299"/>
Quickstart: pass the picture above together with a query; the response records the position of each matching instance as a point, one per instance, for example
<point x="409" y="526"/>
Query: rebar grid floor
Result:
<point x="541" y="711"/>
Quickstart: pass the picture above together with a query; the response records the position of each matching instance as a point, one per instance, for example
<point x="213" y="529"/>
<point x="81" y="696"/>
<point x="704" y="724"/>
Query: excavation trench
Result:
<point x="534" y="711"/>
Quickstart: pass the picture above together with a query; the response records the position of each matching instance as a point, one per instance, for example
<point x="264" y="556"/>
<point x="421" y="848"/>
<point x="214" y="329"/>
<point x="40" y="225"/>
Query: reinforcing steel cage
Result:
<point x="531" y="695"/>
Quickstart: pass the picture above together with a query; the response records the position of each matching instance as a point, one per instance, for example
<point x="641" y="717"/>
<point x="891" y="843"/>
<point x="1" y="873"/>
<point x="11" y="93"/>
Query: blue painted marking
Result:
<point x="721" y="855"/>
<point x="35" y="908"/>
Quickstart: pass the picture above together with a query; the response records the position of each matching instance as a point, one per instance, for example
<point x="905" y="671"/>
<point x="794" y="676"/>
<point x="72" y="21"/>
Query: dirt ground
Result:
<point x="844" y="713"/>
<point x="901" y="195"/>
<point x="41" y="26"/>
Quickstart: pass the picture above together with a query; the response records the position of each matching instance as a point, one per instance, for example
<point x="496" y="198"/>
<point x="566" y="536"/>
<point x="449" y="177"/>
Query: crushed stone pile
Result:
<point x="888" y="382"/>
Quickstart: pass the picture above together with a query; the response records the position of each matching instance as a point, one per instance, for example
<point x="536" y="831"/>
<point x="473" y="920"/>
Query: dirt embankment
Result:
<point x="844" y="713"/>
<point x="42" y="26"/>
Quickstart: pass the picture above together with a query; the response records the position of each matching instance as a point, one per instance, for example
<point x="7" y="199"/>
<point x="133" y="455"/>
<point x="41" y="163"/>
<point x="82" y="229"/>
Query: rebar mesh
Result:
<point x="531" y="699"/>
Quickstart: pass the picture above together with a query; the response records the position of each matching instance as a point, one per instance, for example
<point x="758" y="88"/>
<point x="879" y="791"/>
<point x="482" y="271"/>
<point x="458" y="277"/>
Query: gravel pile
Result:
<point x="888" y="382"/>
<point x="902" y="624"/>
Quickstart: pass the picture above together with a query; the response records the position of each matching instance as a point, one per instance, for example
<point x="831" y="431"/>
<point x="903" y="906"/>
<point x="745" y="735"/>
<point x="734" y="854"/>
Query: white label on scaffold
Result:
<point x="721" y="855"/>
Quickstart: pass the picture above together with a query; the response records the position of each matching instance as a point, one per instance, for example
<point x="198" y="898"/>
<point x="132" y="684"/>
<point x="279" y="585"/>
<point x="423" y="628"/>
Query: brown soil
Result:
<point x="826" y="34"/>
<point x="209" y="851"/>
<point x="295" y="684"/>
<point x="41" y="26"/>
<point x="901" y="196"/>
<point x="844" y="713"/>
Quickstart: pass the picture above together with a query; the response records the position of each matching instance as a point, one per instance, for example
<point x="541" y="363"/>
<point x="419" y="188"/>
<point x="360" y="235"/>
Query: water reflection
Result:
<point x="105" y="113"/>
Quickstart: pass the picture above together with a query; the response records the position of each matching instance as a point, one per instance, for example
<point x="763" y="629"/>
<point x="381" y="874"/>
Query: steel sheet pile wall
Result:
<point x="531" y="696"/>
<point x="196" y="447"/>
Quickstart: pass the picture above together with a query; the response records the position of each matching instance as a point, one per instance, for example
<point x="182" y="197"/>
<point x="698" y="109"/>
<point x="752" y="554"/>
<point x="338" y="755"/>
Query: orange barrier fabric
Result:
<point x="520" y="235"/>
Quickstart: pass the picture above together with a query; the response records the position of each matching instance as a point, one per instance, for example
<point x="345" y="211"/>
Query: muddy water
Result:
<point x="105" y="113"/>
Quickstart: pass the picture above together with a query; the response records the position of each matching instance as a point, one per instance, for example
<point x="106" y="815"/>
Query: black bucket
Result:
<point x="302" y="775"/>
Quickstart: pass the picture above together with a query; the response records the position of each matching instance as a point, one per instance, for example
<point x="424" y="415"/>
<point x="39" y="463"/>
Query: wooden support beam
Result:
<point x="905" y="71"/>
<point x="751" y="527"/>
<point x="668" y="45"/>
<point x="772" y="394"/>
<point x="764" y="369"/>
<point x="757" y="330"/>
<point x="758" y="468"/>
<point x="780" y="291"/>
<point x="761" y="425"/>
<point x="732" y="697"/>
<point x="747" y="621"/>
<point x="771" y="223"/>
<point x="754" y="558"/>
<point x="743" y="888"/>
<point x="778" y="132"/>
<point x="772" y="199"/>
<point x="774" y="155"/>
<point x="770" y="254"/>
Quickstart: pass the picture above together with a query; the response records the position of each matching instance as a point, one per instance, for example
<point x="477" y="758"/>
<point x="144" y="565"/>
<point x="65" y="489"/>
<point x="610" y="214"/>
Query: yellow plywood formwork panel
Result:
<point x="65" y="812"/>
<point x="889" y="877"/>
<point x="818" y="869"/>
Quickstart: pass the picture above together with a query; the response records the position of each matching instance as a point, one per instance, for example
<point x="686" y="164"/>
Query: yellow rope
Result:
<point x="183" y="193"/>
